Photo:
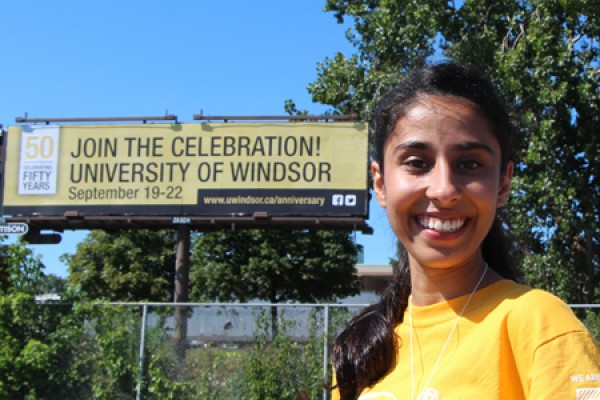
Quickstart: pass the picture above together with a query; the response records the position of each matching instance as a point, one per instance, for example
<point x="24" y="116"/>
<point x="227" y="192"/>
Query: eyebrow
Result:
<point x="474" y="146"/>
<point x="412" y="145"/>
<point x="417" y="145"/>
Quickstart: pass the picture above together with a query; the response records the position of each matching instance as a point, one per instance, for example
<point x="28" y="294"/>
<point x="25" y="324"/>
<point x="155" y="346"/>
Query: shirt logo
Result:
<point x="588" y="394"/>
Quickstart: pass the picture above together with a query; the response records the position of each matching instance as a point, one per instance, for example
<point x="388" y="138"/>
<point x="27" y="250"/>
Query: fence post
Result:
<point x="325" y="348"/>
<point x="140" y="383"/>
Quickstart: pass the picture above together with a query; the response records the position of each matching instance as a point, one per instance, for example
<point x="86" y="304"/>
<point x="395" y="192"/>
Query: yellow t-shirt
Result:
<point x="512" y="342"/>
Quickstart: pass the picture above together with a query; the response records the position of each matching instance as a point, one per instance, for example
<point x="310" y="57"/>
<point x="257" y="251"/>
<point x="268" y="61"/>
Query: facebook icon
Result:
<point x="337" y="200"/>
<point x="341" y="200"/>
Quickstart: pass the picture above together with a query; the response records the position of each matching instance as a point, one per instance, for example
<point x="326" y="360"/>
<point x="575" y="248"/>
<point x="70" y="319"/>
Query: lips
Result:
<point x="441" y="225"/>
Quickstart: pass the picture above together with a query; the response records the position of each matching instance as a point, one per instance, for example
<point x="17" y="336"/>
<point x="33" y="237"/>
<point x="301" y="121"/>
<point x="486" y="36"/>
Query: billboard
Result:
<point x="226" y="169"/>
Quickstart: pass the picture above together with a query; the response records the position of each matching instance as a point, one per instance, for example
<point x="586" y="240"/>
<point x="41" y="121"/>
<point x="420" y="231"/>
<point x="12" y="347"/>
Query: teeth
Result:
<point x="449" y="225"/>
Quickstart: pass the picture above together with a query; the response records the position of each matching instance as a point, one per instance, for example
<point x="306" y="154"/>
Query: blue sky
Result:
<point x="127" y="58"/>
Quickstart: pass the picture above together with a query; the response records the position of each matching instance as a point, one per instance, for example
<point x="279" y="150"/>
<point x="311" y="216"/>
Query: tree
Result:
<point x="4" y="266"/>
<point x="131" y="265"/>
<point x="274" y="265"/>
<point x="21" y="270"/>
<point x="544" y="54"/>
<point x="549" y="63"/>
<point x="39" y="344"/>
<point x="51" y="283"/>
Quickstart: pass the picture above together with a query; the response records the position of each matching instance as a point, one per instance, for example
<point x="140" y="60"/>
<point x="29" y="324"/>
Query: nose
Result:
<point x="443" y="188"/>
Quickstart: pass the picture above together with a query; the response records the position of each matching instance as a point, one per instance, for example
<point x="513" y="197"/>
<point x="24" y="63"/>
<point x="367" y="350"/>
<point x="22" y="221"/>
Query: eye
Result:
<point x="416" y="164"/>
<point x="469" y="165"/>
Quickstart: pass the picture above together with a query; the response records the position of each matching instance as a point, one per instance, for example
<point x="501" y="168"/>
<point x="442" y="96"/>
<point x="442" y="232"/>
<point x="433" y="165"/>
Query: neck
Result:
<point x="434" y="285"/>
<point x="410" y="321"/>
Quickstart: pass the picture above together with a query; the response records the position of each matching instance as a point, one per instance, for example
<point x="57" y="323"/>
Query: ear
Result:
<point x="504" y="189"/>
<point x="378" y="184"/>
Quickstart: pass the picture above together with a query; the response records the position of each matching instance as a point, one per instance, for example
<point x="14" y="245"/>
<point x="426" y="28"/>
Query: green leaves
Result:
<point x="130" y="265"/>
<point x="273" y="265"/>
<point x="390" y="38"/>
<point x="545" y="57"/>
<point x="36" y="351"/>
<point x="20" y="270"/>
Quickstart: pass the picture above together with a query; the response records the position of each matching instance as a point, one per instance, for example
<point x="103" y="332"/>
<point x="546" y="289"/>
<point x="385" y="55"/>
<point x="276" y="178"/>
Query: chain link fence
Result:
<point x="216" y="351"/>
<point x="211" y="351"/>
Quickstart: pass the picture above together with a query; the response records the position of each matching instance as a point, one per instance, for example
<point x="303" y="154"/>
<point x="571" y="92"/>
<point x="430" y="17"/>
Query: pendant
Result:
<point x="429" y="394"/>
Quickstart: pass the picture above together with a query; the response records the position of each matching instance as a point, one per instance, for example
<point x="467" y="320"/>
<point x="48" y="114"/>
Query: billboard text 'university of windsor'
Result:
<point x="295" y="169"/>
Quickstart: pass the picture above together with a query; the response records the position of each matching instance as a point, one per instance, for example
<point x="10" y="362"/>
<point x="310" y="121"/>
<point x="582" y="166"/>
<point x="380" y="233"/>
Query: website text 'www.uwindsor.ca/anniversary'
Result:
<point x="270" y="200"/>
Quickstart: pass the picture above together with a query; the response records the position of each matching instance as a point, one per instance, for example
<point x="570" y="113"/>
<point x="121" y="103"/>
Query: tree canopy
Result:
<point x="20" y="270"/>
<point x="131" y="265"/>
<point x="36" y="352"/>
<point x="544" y="56"/>
<point x="274" y="265"/>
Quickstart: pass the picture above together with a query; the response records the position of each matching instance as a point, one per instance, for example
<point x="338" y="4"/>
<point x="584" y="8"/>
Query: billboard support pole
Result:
<point x="182" y="272"/>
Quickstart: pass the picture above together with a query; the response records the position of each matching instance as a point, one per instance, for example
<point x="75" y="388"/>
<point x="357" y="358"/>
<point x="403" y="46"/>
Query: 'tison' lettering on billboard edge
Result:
<point x="14" y="228"/>
<point x="306" y="169"/>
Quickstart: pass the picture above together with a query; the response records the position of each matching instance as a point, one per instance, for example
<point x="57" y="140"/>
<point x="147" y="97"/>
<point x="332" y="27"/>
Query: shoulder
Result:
<point x="547" y="343"/>
<point x="519" y="297"/>
<point x="551" y="345"/>
<point x="537" y="303"/>
<point x="524" y="295"/>
<point x="535" y="313"/>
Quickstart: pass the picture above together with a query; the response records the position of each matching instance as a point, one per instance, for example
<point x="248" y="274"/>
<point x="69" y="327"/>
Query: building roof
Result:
<point x="367" y="270"/>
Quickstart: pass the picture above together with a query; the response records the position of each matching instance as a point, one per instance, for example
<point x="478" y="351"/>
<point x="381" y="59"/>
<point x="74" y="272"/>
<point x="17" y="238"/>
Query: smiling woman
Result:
<point x="442" y="166"/>
<point x="453" y="323"/>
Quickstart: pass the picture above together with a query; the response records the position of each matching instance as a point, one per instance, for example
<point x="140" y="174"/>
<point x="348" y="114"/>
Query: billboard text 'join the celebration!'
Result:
<point x="281" y="169"/>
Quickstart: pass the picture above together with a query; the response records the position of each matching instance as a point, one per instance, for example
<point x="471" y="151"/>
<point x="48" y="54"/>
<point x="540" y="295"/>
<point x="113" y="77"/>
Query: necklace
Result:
<point x="426" y="392"/>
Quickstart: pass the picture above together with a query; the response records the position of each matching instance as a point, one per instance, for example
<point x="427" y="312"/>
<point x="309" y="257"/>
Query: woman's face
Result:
<point x="441" y="181"/>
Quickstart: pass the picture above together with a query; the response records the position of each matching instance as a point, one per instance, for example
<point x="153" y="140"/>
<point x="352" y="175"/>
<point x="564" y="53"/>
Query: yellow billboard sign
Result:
<point x="187" y="169"/>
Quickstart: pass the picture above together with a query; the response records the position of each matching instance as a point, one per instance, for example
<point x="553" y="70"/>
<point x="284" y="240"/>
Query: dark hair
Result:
<point x="365" y="351"/>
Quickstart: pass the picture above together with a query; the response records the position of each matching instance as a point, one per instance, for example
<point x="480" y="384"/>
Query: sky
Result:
<point x="70" y="58"/>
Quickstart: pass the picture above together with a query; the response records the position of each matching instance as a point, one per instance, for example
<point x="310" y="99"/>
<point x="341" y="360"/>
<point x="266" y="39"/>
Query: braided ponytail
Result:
<point x="366" y="350"/>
